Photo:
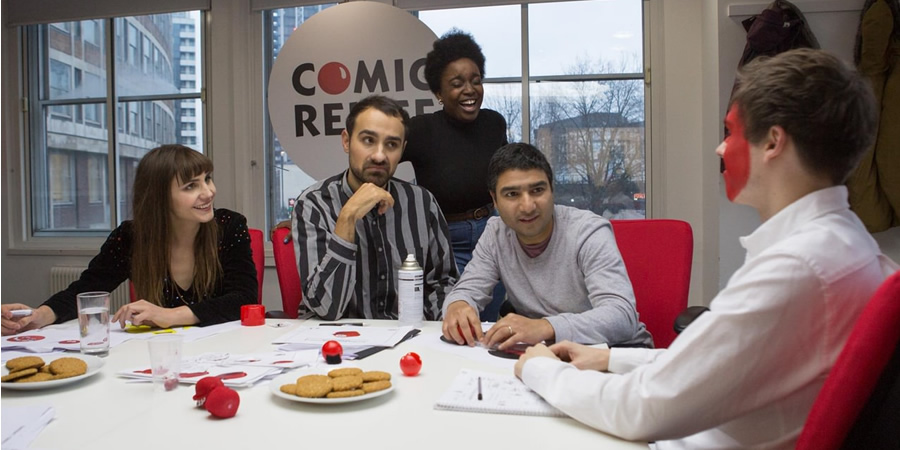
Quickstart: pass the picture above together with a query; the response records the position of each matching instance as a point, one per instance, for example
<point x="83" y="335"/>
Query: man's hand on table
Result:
<point x="462" y="324"/>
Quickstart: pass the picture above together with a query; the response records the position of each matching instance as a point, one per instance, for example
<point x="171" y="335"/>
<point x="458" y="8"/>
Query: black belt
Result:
<point x="472" y="214"/>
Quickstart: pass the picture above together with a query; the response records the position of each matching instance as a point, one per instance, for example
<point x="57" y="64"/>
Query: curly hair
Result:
<point x="453" y="45"/>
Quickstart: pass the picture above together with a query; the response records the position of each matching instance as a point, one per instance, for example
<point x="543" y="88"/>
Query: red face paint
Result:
<point x="736" y="154"/>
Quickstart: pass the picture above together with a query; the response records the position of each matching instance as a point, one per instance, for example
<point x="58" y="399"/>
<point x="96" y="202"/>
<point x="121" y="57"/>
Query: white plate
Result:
<point x="93" y="367"/>
<point x="290" y="378"/>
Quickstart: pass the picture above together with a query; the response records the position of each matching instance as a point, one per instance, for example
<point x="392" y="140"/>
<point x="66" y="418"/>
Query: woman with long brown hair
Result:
<point x="190" y="264"/>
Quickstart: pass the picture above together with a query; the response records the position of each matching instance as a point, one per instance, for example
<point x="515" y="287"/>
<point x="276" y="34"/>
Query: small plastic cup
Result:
<point x="253" y="315"/>
<point x="165" y="360"/>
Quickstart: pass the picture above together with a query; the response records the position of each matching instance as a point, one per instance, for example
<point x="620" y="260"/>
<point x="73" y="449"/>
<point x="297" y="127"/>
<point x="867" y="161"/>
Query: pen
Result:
<point x="21" y="312"/>
<point x="334" y="324"/>
<point x="479" y="388"/>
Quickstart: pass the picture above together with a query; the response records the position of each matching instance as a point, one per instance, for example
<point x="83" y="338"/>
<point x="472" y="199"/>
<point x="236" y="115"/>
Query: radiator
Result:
<point x="62" y="276"/>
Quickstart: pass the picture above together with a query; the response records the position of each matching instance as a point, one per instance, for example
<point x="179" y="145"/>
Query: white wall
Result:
<point x="695" y="47"/>
<point x="834" y="23"/>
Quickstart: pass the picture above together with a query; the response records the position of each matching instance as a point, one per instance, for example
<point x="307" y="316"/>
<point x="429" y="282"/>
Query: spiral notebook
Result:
<point x="500" y="394"/>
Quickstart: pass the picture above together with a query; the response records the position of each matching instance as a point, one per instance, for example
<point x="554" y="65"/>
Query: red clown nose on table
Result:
<point x="332" y="352"/>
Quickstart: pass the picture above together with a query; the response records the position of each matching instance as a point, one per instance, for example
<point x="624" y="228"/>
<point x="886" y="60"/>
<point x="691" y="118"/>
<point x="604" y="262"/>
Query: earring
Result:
<point x="441" y="102"/>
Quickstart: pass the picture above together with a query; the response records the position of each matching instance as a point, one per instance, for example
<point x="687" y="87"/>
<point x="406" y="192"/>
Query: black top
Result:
<point x="451" y="157"/>
<point x="112" y="266"/>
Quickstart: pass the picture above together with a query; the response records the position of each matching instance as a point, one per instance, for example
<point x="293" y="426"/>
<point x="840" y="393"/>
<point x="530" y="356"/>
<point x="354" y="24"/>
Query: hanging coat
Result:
<point x="875" y="185"/>
<point x="778" y="28"/>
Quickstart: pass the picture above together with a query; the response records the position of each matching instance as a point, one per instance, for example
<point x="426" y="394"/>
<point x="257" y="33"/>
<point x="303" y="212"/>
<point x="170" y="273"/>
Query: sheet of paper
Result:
<point x="348" y="336"/>
<point x="64" y="336"/>
<point x="234" y="369"/>
<point x="477" y="353"/>
<point x="190" y="333"/>
<point x="22" y="424"/>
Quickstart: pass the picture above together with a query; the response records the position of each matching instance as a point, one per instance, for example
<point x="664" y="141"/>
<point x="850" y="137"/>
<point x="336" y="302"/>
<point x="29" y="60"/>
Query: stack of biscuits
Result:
<point x="29" y="369"/>
<point x="345" y="382"/>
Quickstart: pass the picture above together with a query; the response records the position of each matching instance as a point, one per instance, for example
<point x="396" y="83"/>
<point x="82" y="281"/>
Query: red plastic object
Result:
<point x="223" y="402"/>
<point x="411" y="364"/>
<point x="204" y="386"/>
<point x="332" y="351"/>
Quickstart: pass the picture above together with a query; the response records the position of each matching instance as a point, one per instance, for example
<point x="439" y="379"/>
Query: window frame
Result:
<point x="29" y="239"/>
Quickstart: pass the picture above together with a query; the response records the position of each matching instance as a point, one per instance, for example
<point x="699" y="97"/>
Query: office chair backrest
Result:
<point x="864" y="379"/>
<point x="657" y="255"/>
<point x="257" y="248"/>
<point x="286" y="269"/>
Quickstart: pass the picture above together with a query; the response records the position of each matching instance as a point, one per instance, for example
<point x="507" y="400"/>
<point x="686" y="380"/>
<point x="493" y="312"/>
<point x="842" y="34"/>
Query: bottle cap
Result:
<point x="410" y="263"/>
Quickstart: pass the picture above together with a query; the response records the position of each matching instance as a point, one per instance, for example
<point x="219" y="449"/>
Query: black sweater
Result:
<point x="451" y="157"/>
<point x="112" y="266"/>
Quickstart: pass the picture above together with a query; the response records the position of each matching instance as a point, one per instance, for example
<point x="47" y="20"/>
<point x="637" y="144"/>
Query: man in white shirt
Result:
<point x="745" y="374"/>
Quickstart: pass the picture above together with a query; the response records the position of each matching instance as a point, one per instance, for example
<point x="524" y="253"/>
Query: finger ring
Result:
<point x="510" y="330"/>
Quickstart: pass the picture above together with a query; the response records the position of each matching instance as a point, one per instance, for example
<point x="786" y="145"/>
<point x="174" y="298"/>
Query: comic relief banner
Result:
<point x="335" y="58"/>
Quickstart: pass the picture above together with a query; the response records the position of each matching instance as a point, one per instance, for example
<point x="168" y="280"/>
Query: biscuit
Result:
<point x="45" y="369"/>
<point x="313" y="386"/>
<point x="350" y="393"/>
<point x="68" y="367"/>
<point x="18" y="374"/>
<point x="289" y="388"/>
<point x="375" y="375"/>
<point x="40" y="376"/>
<point x="347" y="383"/>
<point x="24" y="362"/>
<point x="375" y="386"/>
<point x="344" y="372"/>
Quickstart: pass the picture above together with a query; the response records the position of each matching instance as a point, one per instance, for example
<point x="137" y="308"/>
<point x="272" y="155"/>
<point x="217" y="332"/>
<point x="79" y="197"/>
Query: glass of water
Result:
<point x="93" y="322"/>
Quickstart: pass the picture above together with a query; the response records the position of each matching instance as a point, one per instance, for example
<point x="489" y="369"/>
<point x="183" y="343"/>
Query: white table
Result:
<point x="105" y="412"/>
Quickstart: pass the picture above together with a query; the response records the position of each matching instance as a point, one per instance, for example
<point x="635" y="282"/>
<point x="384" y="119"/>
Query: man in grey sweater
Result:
<point x="561" y="267"/>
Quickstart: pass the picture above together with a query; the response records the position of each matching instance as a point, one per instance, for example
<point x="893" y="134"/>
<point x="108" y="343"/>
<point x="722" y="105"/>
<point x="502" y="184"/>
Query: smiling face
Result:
<point x="461" y="90"/>
<point x="735" y="152"/>
<point x="192" y="200"/>
<point x="524" y="200"/>
<point x="375" y="148"/>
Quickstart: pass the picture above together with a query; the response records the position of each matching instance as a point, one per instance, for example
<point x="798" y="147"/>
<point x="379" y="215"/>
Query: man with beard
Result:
<point x="353" y="230"/>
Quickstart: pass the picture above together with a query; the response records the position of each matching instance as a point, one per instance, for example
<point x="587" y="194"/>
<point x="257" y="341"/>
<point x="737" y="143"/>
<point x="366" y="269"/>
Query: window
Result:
<point x="62" y="178"/>
<point x="96" y="175"/>
<point x="132" y="44"/>
<point x="60" y="86"/>
<point x="147" y="54"/>
<point x="91" y="32"/>
<point x="581" y="101"/>
<point x="71" y="147"/>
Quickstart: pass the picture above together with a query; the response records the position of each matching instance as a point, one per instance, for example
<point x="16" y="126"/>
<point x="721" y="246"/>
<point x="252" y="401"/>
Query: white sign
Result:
<point x="336" y="58"/>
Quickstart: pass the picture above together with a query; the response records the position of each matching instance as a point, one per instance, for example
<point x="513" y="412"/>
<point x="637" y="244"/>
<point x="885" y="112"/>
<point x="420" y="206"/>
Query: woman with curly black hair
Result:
<point x="450" y="149"/>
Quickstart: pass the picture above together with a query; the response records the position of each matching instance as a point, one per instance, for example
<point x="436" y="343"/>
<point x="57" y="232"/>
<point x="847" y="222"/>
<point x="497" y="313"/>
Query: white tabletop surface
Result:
<point x="105" y="412"/>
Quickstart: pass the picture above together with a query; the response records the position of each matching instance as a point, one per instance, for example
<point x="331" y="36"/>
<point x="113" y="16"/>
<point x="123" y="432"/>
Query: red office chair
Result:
<point x="858" y="403"/>
<point x="657" y="255"/>
<point x="257" y="247"/>
<point x="286" y="269"/>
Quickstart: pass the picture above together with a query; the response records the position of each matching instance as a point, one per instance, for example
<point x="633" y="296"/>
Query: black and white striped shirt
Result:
<point x="359" y="279"/>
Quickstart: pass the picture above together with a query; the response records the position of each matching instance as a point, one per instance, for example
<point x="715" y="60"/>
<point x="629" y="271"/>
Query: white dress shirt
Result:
<point x="744" y="374"/>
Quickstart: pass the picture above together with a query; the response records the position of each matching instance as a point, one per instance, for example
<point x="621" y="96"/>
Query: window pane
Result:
<point x="506" y="98"/>
<point x="286" y="180"/>
<point x="593" y="135"/>
<point x="154" y="54"/>
<point x="69" y="180"/>
<point x="606" y="36"/>
<point x="71" y="152"/>
<point x="497" y="29"/>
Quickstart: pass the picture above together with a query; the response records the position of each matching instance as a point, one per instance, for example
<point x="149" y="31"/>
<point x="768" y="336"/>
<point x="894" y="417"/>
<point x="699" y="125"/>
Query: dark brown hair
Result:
<point x="153" y="228"/>
<point x="826" y="108"/>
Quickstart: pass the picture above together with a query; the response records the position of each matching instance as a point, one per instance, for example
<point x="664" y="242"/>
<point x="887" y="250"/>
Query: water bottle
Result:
<point x="410" y="289"/>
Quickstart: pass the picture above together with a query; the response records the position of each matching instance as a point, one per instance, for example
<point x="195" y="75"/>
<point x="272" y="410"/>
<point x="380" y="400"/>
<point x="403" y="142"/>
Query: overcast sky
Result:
<point x="560" y="33"/>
